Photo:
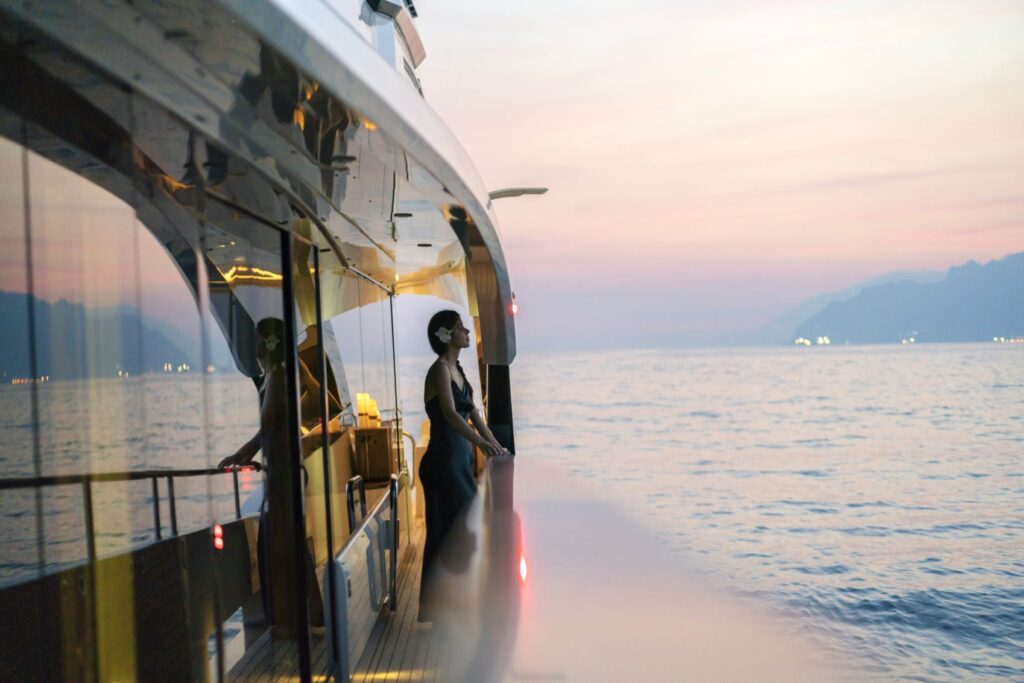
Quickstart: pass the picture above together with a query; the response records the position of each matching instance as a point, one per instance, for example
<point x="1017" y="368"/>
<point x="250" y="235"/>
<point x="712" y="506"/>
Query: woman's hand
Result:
<point x="488" y="448"/>
<point x="238" y="459"/>
<point x="244" y="455"/>
<point x="493" y="448"/>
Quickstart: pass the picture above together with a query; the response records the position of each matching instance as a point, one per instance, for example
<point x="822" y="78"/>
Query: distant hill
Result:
<point x="73" y="341"/>
<point x="780" y="330"/>
<point x="973" y="302"/>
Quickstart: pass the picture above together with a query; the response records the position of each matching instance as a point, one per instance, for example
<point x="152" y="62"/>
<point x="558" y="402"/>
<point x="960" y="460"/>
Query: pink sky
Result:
<point x="713" y="164"/>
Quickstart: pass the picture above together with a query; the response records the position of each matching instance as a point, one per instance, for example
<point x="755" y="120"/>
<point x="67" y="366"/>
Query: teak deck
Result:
<point x="398" y="650"/>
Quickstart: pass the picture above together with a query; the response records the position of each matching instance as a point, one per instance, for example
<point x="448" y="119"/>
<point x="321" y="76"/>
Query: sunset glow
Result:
<point x="725" y="161"/>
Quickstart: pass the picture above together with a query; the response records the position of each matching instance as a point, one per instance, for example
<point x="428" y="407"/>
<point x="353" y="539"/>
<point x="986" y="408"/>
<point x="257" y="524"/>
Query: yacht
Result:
<point x="211" y="210"/>
<point x="219" y="220"/>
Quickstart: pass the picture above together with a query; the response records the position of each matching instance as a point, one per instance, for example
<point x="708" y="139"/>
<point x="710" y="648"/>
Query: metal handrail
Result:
<point x="62" y="479"/>
<point x="86" y="480"/>
<point x="354" y="533"/>
<point x="354" y="484"/>
<point x="412" y="469"/>
<point x="393" y="592"/>
<point x="391" y="500"/>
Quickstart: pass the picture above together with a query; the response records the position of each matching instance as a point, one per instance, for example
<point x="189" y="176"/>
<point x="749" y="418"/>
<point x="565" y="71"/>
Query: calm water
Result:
<point x="115" y="425"/>
<point x="873" y="495"/>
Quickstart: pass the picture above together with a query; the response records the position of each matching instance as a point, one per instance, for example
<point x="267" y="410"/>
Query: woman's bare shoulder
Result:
<point x="436" y="369"/>
<point x="437" y="377"/>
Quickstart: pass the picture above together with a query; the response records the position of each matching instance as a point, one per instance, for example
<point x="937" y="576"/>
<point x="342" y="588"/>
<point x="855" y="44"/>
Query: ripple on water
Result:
<point x="824" y="570"/>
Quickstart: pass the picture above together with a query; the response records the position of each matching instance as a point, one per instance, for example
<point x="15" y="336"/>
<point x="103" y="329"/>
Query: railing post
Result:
<point x="238" y="502"/>
<point x="90" y="531"/>
<point x="393" y="596"/>
<point x="174" y="507"/>
<point x="351" y="486"/>
<point x="156" y="509"/>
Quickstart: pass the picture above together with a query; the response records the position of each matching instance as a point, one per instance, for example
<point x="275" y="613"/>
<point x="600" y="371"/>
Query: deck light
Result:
<point x="522" y="568"/>
<point x="218" y="537"/>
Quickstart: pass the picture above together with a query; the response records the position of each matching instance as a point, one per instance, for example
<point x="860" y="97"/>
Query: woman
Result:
<point x="446" y="471"/>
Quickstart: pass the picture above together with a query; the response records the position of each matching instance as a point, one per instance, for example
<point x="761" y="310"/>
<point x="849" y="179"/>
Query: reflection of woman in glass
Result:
<point x="446" y="470"/>
<point x="274" y="440"/>
<point x="270" y="333"/>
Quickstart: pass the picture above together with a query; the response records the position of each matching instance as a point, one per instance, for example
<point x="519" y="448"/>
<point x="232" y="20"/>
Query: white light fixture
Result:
<point x="516" y="192"/>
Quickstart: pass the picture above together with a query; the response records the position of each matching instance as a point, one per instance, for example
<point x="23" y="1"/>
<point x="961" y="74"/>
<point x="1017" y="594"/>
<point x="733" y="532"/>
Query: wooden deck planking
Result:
<point x="407" y="635"/>
<point x="396" y="651"/>
<point x="388" y="655"/>
<point x="400" y="632"/>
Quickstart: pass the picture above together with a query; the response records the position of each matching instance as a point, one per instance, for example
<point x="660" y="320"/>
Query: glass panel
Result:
<point x="246" y="280"/>
<point x="313" y="392"/>
<point x="88" y="342"/>
<point x="18" y="518"/>
<point x="117" y="340"/>
<point x="364" y="570"/>
<point x="232" y="377"/>
<point x="365" y="346"/>
<point x="334" y="287"/>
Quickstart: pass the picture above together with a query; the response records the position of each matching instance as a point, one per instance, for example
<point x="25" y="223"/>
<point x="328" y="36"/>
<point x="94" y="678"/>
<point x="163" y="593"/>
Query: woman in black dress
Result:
<point x="446" y="471"/>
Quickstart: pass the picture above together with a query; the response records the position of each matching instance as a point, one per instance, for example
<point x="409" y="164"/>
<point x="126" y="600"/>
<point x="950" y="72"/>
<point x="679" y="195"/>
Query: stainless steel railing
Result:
<point x="86" y="481"/>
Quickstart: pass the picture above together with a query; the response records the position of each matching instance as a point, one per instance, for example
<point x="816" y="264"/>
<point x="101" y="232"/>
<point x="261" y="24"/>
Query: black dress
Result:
<point x="449" y="485"/>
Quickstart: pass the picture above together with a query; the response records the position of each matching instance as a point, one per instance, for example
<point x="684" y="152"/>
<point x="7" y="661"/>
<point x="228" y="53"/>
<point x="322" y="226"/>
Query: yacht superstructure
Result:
<point x="213" y="215"/>
<point x="210" y="211"/>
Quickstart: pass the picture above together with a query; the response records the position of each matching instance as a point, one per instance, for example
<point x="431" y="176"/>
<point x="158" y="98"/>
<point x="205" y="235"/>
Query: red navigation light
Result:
<point x="515" y="308"/>
<point x="218" y="537"/>
<point x="522" y="554"/>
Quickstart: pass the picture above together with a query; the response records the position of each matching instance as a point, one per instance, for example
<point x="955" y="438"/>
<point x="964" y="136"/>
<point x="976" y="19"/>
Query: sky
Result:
<point x="713" y="164"/>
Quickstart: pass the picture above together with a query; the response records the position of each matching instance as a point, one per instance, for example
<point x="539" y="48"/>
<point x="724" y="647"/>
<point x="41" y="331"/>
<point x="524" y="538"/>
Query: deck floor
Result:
<point x="398" y="650"/>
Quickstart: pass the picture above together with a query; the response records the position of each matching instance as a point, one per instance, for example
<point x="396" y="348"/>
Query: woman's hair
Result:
<point x="445" y="319"/>
<point x="270" y="332"/>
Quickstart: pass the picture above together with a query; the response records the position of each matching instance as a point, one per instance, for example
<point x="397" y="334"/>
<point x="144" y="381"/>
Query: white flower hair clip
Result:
<point x="444" y="334"/>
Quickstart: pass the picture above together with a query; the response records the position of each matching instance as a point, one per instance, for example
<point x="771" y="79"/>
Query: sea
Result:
<point x="871" y="497"/>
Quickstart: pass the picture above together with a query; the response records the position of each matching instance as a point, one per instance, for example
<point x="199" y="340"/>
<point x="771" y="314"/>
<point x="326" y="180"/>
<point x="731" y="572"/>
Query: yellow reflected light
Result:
<point x="172" y="185"/>
<point x="250" y="274"/>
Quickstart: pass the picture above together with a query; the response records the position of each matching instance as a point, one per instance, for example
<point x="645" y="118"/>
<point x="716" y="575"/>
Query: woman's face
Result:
<point x="460" y="335"/>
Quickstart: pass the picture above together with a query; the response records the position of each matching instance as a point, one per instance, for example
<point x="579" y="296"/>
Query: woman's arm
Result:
<point x="441" y="380"/>
<point x="485" y="431"/>
<point x="243" y="455"/>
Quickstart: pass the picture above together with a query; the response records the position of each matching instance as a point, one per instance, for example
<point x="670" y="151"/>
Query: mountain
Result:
<point x="973" y="302"/>
<point x="780" y="330"/>
<point x="74" y="342"/>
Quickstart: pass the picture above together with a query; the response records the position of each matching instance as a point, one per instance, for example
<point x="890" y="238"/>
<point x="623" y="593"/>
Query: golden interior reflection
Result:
<point x="250" y="275"/>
